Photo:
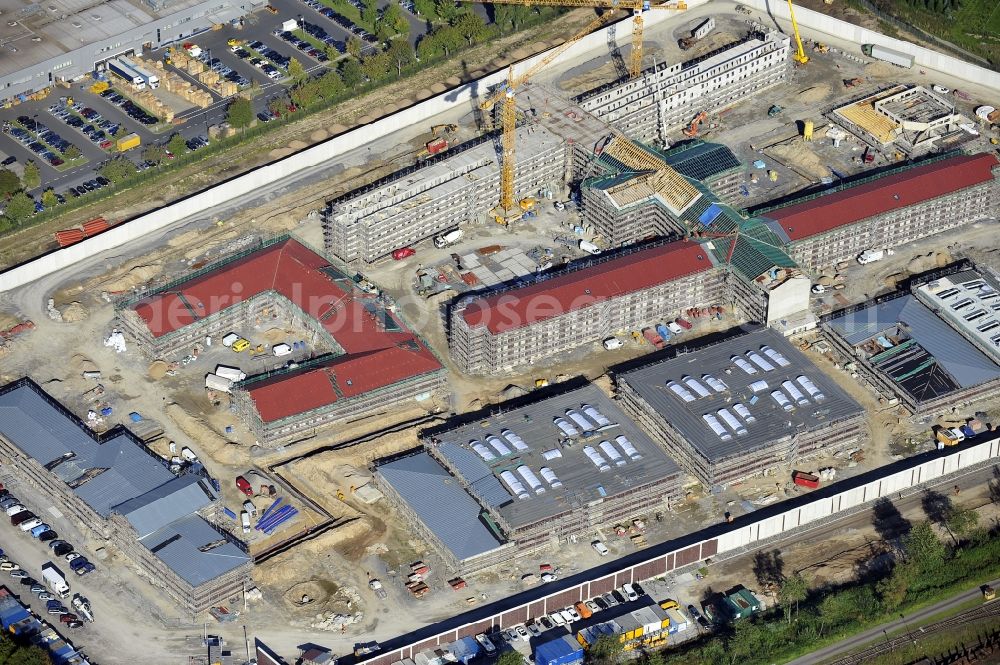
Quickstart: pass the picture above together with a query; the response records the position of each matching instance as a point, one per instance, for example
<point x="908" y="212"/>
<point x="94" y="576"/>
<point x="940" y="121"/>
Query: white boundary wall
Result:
<point x="848" y="31"/>
<point x="310" y="157"/>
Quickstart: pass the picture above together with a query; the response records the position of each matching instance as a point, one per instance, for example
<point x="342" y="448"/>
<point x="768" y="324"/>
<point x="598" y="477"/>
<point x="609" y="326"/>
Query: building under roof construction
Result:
<point x="377" y="361"/>
<point x="969" y="300"/>
<point x="528" y="477"/>
<point x="921" y="356"/>
<point x="580" y="305"/>
<point x="735" y="408"/>
<point x="887" y="210"/>
<point x="667" y="96"/>
<point x="123" y="494"/>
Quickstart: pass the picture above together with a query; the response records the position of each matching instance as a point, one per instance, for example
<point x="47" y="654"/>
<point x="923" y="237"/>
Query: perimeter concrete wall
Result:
<point x="924" y="57"/>
<point x="191" y="207"/>
<point x="658" y="562"/>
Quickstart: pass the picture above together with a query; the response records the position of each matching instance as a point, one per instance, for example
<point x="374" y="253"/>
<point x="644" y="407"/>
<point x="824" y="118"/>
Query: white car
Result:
<point x="568" y="617"/>
<point x="28" y="525"/>
<point x="940" y="88"/>
<point x="15" y="509"/>
<point x="571" y="611"/>
<point x="629" y="592"/>
<point x="485" y="642"/>
<point x="522" y="632"/>
<point x="674" y="328"/>
<point x="613" y="343"/>
<point x="600" y="548"/>
<point x="557" y="619"/>
<point x="534" y="629"/>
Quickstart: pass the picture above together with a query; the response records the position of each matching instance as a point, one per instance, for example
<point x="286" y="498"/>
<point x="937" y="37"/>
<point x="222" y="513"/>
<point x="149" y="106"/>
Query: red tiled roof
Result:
<point x="375" y="357"/>
<point x="586" y="287"/>
<point x="916" y="185"/>
<point x="344" y="377"/>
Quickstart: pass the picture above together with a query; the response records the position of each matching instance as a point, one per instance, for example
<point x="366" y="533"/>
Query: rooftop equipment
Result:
<point x="717" y="385"/>
<point x="717" y="427"/>
<point x="498" y="445"/>
<point x="610" y="451"/>
<point x="759" y="361"/>
<point x="811" y="388"/>
<point x="775" y="356"/>
<point x="796" y="394"/>
<point x="782" y="401"/>
<point x="733" y="423"/>
<point x="744" y="365"/>
<point x="680" y="391"/>
<point x="578" y="418"/>
<point x="483" y="451"/>
<point x="595" y="457"/>
<point x="596" y="416"/>
<point x="550" y="477"/>
<point x="514" y="485"/>
<point x="529" y="476"/>
<point x="694" y="385"/>
<point x="628" y="448"/>
<point x="566" y="428"/>
<point x="514" y="439"/>
<point x="744" y="412"/>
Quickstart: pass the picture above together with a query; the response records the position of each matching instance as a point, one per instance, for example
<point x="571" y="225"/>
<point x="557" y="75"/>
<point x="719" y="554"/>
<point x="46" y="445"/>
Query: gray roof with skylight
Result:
<point x="741" y="394"/>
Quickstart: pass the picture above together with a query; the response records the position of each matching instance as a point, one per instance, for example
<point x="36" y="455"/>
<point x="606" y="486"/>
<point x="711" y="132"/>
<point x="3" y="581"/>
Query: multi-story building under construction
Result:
<point x="667" y="96"/>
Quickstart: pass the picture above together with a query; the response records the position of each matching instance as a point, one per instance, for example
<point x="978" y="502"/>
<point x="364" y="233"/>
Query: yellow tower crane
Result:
<point x="508" y="209"/>
<point x="800" y="54"/>
<point x="637" y="7"/>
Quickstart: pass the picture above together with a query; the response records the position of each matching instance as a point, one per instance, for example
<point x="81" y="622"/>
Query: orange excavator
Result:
<point x="692" y="130"/>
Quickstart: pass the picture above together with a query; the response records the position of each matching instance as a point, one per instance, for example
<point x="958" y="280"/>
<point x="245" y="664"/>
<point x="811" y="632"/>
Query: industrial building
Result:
<point x="61" y="40"/>
<point x="890" y="209"/>
<point x="667" y="96"/>
<point x="367" y="362"/>
<point x="911" y="120"/>
<point x="123" y="495"/>
<point x="527" y="477"/>
<point x="455" y="188"/>
<point x="916" y="345"/>
<point x="735" y="408"/>
<point x="579" y="305"/>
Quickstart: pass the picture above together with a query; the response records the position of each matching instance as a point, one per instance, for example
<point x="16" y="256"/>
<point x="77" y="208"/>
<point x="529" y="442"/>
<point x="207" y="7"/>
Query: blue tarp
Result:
<point x="465" y="649"/>
<point x="562" y="651"/>
<point x="711" y="212"/>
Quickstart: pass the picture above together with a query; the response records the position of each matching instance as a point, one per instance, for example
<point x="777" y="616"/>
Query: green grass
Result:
<point x="974" y="27"/>
<point x="350" y="12"/>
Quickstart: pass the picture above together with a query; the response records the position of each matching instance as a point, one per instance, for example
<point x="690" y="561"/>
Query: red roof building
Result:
<point x="520" y="326"/>
<point x="380" y="353"/>
<point x="894" y="192"/>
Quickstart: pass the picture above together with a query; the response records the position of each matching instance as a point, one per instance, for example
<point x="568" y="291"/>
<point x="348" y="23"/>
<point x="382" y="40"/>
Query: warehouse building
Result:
<point x="580" y="305"/>
<point x="371" y="362"/>
<point x="667" y="96"/>
<point x="60" y="41"/>
<point x="887" y="210"/>
<point x="921" y="356"/>
<point x="528" y="477"/>
<point x="124" y="495"/>
<point x="736" y="408"/>
<point x="455" y="188"/>
<point x="969" y="300"/>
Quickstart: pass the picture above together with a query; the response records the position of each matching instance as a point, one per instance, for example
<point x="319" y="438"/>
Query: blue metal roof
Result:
<point x="180" y="545"/>
<point x="476" y="472"/>
<point x="168" y="502"/>
<point x="426" y="487"/>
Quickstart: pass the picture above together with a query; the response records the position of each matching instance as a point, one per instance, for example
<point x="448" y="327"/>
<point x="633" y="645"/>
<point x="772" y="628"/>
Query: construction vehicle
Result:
<point x="377" y="587"/>
<point x="774" y="111"/>
<point x="527" y="203"/>
<point x="438" y="130"/>
<point x="800" y="54"/>
<point x="636" y="6"/>
<point x="989" y="593"/>
<point x="692" y="130"/>
<point x="820" y="48"/>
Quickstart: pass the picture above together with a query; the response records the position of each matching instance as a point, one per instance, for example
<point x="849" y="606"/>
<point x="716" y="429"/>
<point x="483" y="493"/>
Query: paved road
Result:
<point x="910" y="622"/>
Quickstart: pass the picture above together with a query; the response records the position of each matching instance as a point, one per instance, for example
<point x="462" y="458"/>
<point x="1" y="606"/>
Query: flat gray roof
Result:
<point x="118" y="475"/>
<point x="970" y="301"/>
<point x="609" y="469"/>
<point x="742" y="411"/>
<point x="441" y="504"/>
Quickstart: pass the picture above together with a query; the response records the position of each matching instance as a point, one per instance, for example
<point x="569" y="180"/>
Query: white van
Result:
<point x="613" y="343"/>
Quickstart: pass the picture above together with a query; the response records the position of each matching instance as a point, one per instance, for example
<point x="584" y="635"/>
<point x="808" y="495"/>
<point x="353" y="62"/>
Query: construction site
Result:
<point x="455" y="415"/>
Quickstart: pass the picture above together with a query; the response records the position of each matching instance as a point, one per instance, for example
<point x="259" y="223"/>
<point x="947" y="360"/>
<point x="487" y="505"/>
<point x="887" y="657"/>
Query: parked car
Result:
<point x="66" y="618"/>
<point x="73" y="555"/>
<point x="28" y="581"/>
<point x="47" y="535"/>
<point x="45" y="595"/>
<point x="18" y="574"/>
<point x="37" y="589"/>
<point x="10" y="160"/>
<point x="629" y="592"/>
<point x="9" y="566"/>
<point x="600" y="548"/>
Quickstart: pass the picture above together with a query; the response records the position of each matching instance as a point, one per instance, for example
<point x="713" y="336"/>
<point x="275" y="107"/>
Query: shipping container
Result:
<point x="887" y="55"/>
<point x="128" y="142"/>
<point x="805" y="479"/>
<point x="562" y="651"/>
<point x="126" y="73"/>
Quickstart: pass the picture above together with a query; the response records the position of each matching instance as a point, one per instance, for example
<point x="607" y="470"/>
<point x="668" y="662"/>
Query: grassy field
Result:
<point x="975" y="26"/>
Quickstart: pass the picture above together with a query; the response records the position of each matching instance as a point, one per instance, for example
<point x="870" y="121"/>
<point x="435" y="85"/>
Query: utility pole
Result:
<point x="247" y="640"/>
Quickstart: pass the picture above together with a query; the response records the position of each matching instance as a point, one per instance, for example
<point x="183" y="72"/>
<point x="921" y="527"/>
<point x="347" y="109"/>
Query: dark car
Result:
<point x="53" y="603"/>
<point x="22" y="516"/>
<point x="62" y="549"/>
<point x="77" y="562"/>
<point x="68" y="617"/>
<point x="28" y="581"/>
<point x="72" y="192"/>
<point x="102" y="181"/>
<point x="46" y="536"/>
<point x="58" y="608"/>
<point x="85" y="568"/>
<point x="10" y="160"/>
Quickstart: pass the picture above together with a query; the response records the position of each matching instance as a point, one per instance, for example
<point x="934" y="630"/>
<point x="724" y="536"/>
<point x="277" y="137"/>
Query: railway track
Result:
<point x="983" y="612"/>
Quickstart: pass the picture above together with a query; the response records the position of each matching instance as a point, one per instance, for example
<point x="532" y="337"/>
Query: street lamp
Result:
<point x="907" y="626"/>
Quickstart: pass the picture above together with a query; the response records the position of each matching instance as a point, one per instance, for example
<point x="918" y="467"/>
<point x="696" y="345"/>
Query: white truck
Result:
<point x="449" y="238"/>
<point x="873" y="255"/>
<point x="232" y="373"/>
<point x="245" y="521"/>
<point x="589" y="247"/>
<point x="54" y="579"/>
<point x="82" y="606"/>
<point x="291" y="25"/>
<point x="897" y="58"/>
<point x="214" y="382"/>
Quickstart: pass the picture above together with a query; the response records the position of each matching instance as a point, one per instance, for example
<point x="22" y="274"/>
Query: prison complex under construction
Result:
<point x="496" y="485"/>
<point x="373" y="361"/>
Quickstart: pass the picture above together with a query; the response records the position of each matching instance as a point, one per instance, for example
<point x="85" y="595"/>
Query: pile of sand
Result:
<point x="825" y="280"/>
<point x="927" y="262"/>
<point x="319" y="135"/>
<point x="127" y="280"/>
<point x="802" y="158"/>
<point x="81" y="363"/>
<point x="158" y="370"/>
<point x="337" y="129"/>
<point x="817" y="93"/>
<point x="74" y="312"/>
<point x="278" y="153"/>
<point x="880" y="70"/>
<point x="185" y="238"/>
<point x="297" y="145"/>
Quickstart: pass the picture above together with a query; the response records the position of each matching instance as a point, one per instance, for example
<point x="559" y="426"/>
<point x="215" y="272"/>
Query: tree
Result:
<point x="369" y="13"/>
<point x="354" y="46"/>
<point x="19" y="208"/>
<point x="254" y="88"/>
<point x="177" y="145"/>
<point x="961" y="522"/>
<point x="923" y="548"/>
<point x="443" y="40"/>
<point x="510" y="657"/>
<point x="392" y="16"/>
<point x="49" y="199"/>
<point x="121" y="131"/>
<point x="892" y="589"/>
<point x="32" y="178"/>
<point x="278" y="106"/>
<point x="305" y="94"/>
<point x="118" y="169"/>
<point x="331" y="52"/>
<point x="606" y="650"/>
<point x="400" y="54"/>
<point x="471" y="26"/>
<point x="376" y="66"/>
<point x="446" y="10"/>
<point x="296" y="70"/>
<point x="72" y="152"/>
<point x="329" y="85"/>
<point x="794" y="589"/>
<point x="9" y="182"/>
<point x="154" y="154"/>
<point x="424" y="7"/>
<point x="239" y="114"/>
<point x="768" y="568"/>
<point x="351" y="73"/>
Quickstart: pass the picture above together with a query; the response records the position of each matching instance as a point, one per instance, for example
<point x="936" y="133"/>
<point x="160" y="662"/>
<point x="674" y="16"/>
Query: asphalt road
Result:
<point x="910" y="622"/>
